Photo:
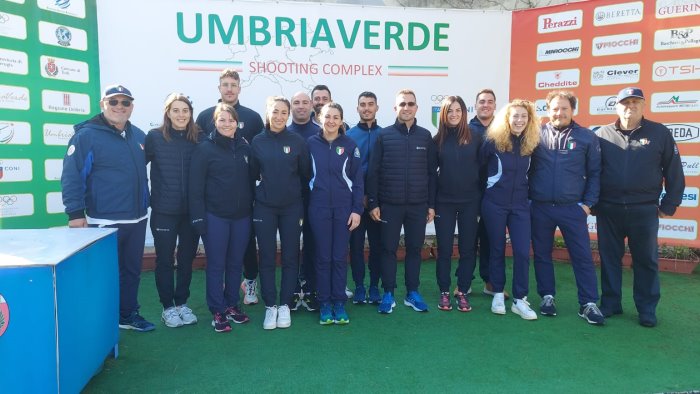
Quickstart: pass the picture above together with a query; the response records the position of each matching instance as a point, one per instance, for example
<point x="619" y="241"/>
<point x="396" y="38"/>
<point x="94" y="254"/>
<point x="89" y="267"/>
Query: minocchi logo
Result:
<point x="4" y="315"/>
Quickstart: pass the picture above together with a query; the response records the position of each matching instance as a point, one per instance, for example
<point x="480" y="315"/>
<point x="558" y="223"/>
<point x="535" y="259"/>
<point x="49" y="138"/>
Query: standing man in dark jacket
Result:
<point x="104" y="184"/>
<point x="249" y="125"/>
<point x="401" y="185"/>
<point x="639" y="157"/>
<point x="564" y="184"/>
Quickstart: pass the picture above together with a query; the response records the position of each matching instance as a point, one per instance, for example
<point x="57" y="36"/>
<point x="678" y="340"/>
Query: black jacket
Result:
<point x="220" y="181"/>
<point x="403" y="167"/>
<point x="250" y="123"/>
<point x="459" y="169"/>
<point x="637" y="164"/>
<point x="170" y="170"/>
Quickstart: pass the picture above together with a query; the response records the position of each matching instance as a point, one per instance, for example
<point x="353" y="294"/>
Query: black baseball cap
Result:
<point x="116" y="90"/>
<point x="630" y="92"/>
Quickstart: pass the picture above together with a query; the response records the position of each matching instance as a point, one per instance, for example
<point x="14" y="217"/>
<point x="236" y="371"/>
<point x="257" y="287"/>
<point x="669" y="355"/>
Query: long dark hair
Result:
<point x="464" y="134"/>
<point x="191" y="128"/>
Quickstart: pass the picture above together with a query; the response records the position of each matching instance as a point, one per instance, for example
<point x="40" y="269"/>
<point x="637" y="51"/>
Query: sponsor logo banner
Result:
<point x="13" y="26"/>
<point x="62" y="36"/>
<point x="557" y="79"/>
<point x="14" y="97"/>
<point x="54" y="203"/>
<point x="677" y="38"/>
<point x="74" y="8"/>
<point x="15" y="133"/>
<point x="676" y="70"/>
<point x="615" y="74"/>
<point x="15" y="170"/>
<point x="676" y="8"/>
<point x="13" y="62"/>
<point x="57" y="134"/>
<point x="65" y="102"/>
<point x="689" y="198"/>
<point x="675" y="101"/>
<point x="602" y="105"/>
<point x="678" y="229"/>
<point x="685" y="132"/>
<point x="691" y="165"/>
<point x="13" y="205"/>
<point x="617" y="44"/>
<point x="53" y="168"/>
<point x="64" y="69"/>
<point x="541" y="108"/>
<point x="559" y="50"/>
<point x="618" y="13"/>
<point x="561" y="21"/>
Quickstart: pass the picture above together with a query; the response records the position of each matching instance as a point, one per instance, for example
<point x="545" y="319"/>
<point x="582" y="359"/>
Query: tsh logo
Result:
<point x="682" y="33"/>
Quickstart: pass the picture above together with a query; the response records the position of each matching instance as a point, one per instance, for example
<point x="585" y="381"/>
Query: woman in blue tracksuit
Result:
<point x="169" y="150"/>
<point x="457" y="200"/>
<point x="220" y="208"/>
<point x="281" y="166"/>
<point x="335" y="209"/>
<point x="510" y="140"/>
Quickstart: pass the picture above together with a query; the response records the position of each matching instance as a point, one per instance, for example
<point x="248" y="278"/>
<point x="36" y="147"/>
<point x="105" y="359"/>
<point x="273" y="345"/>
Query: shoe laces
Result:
<point x="445" y="298"/>
<point x="388" y="298"/>
<point x="547" y="301"/>
<point x="170" y="313"/>
<point x="524" y="301"/>
<point x="270" y="311"/>
<point x="591" y="308"/>
<point x="415" y="296"/>
<point x="185" y="310"/>
<point x="250" y="287"/>
<point x="461" y="298"/>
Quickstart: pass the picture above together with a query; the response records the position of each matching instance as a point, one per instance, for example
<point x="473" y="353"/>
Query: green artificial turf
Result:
<point x="408" y="351"/>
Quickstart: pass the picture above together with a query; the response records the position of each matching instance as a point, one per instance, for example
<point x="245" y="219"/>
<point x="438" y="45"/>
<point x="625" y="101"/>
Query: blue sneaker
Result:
<point x="340" y="316"/>
<point x="415" y="301"/>
<point x="326" y="314"/>
<point x="387" y="305"/>
<point x="360" y="295"/>
<point x="374" y="296"/>
<point x="136" y="322"/>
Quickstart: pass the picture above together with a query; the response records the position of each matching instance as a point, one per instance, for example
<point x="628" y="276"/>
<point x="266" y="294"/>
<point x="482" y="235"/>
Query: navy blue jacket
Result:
<point x="170" y="170"/>
<point x="280" y="161"/>
<point x="306" y="130"/>
<point x="566" y="176"/>
<point x="104" y="174"/>
<point x="477" y="128"/>
<point x="459" y="169"/>
<point x="366" y="138"/>
<point x="220" y="182"/>
<point x="250" y="123"/>
<point x="507" y="183"/>
<point x="636" y="165"/>
<point x="336" y="180"/>
<point x="403" y="167"/>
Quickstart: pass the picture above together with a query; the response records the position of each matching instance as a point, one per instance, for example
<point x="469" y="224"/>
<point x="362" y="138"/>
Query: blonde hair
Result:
<point x="500" y="132"/>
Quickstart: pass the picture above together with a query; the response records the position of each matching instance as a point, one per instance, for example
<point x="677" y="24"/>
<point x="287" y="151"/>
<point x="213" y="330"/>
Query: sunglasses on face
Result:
<point x="115" y="102"/>
<point x="409" y="104"/>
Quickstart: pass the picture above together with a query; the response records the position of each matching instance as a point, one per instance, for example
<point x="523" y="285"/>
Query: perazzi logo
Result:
<point x="548" y="23"/>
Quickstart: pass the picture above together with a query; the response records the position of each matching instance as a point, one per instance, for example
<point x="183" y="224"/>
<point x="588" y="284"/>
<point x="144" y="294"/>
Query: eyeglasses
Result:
<point x="115" y="102"/>
<point x="407" y="104"/>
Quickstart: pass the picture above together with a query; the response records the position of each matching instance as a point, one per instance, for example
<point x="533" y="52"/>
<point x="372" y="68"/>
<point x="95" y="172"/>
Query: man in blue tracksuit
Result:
<point x="249" y="125"/>
<point x="564" y="184"/>
<point x="639" y="157"/>
<point x="401" y="184"/>
<point x="365" y="136"/>
<point x="305" y="292"/>
<point x="104" y="184"/>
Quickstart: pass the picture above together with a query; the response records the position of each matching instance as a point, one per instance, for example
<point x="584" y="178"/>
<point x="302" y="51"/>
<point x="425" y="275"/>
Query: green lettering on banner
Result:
<point x="303" y="29"/>
<point x="395" y="35"/>
<point x="348" y="43"/>
<point x="439" y="36"/>
<point x="412" y="26"/>
<point x="284" y="31"/>
<point x="181" y="30"/>
<point x="236" y="24"/>
<point x="322" y="33"/>
<point x="369" y="34"/>
<point x="259" y="29"/>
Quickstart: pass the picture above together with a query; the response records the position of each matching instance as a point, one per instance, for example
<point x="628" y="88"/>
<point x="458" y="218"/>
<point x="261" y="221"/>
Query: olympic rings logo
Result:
<point x="4" y="17"/>
<point x="437" y="98"/>
<point x="7" y="200"/>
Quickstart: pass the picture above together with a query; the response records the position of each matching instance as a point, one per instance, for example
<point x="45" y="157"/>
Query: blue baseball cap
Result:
<point x="630" y="92"/>
<point x="116" y="90"/>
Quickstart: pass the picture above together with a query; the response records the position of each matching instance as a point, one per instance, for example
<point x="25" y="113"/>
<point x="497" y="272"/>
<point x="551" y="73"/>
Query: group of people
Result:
<point x="237" y="181"/>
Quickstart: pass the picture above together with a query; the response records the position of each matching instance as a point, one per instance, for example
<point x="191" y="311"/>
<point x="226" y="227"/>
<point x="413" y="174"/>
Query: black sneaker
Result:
<point x="591" y="314"/>
<point x="310" y="302"/>
<point x="647" y="320"/>
<point x="220" y="323"/>
<point x="236" y="315"/>
<point x="136" y="322"/>
<point x="547" y="306"/>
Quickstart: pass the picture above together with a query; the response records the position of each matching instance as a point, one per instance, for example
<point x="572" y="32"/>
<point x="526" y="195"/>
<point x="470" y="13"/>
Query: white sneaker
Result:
<point x="250" y="291"/>
<point x="348" y="292"/>
<point x="522" y="307"/>
<point x="270" y="322"/>
<point x="284" y="319"/>
<point x="498" y="305"/>
<point x="171" y="318"/>
<point x="186" y="314"/>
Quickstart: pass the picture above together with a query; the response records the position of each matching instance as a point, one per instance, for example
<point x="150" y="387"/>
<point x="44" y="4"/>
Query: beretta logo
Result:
<point x="615" y="74"/>
<point x="602" y="105"/>
<point x="677" y="38"/>
<point x="691" y="165"/>
<point x="676" y="70"/>
<point x="675" y="101"/>
<point x="676" y="8"/>
<point x="557" y="79"/>
<point x="561" y="21"/>
<point x="618" y="13"/>
<point x="617" y="44"/>
<point x="558" y="50"/>
<point x="685" y="132"/>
